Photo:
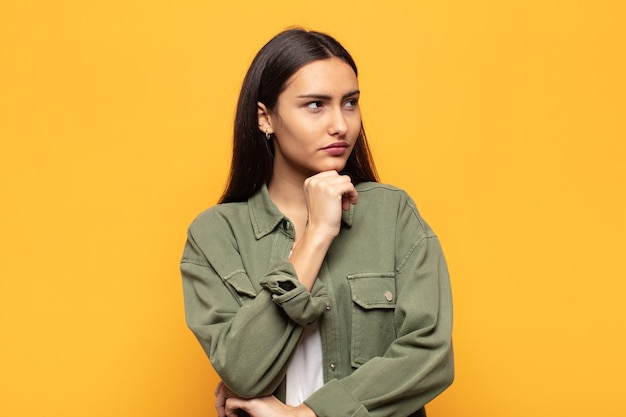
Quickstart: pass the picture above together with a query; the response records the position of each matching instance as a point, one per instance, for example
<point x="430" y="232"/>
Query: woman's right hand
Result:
<point x="327" y="194"/>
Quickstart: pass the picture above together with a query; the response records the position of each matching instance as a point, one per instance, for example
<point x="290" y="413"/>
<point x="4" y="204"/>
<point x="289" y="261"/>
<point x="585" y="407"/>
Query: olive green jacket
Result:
<point x="382" y="297"/>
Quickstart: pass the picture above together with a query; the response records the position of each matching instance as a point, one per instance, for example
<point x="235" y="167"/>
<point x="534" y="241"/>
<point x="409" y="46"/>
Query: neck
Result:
<point x="287" y="193"/>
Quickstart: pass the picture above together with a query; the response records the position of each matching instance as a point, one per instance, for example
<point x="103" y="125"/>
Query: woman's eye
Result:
<point x="314" y="105"/>
<point x="352" y="102"/>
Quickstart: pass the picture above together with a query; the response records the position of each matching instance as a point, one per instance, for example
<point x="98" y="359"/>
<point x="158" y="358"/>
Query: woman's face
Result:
<point x="316" y="121"/>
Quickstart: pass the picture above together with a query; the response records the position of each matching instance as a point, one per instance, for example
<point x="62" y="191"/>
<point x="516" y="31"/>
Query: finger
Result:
<point x="220" y="401"/>
<point x="320" y="178"/>
<point x="352" y="196"/>
<point x="232" y="405"/>
<point x="230" y="412"/>
<point x="346" y="202"/>
<point x="218" y="388"/>
<point x="330" y="185"/>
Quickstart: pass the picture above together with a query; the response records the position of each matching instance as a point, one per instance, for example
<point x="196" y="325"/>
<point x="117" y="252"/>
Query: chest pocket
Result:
<point x="373" y="304"/>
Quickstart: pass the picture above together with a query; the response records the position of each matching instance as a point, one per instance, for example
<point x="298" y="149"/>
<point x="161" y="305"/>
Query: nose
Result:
<point x="338" y="125"/>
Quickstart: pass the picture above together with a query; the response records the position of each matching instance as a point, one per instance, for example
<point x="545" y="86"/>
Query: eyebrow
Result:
<point x="327" y="97"/>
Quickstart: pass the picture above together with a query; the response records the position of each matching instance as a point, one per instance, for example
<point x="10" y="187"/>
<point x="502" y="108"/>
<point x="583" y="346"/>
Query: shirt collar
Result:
<point x="265" y="216"/>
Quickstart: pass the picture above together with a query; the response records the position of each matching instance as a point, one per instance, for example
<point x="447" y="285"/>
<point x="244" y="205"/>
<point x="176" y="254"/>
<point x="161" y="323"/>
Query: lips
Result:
<point x="336" y="145"/>
<point x="336" y="149"/>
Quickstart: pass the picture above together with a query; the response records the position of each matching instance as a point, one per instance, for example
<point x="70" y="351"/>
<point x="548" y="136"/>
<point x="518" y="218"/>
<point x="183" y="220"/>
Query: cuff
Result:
<point x="334" y="400"/>
<point x="293" y="297"/>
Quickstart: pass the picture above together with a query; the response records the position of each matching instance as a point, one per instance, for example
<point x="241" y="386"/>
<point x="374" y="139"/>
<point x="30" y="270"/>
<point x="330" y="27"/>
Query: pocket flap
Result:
<point x="373" y="290"/>
<point x="241" y="283"/>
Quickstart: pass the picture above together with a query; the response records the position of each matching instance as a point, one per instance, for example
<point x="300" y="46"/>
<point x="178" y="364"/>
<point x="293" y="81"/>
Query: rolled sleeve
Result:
<point x="289" y="294"/>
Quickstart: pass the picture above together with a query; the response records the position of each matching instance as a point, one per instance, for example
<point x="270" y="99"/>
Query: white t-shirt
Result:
<point x="304" y="373"/>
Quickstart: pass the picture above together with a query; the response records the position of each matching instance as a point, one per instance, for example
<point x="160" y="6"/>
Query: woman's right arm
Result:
<point x="327" y="195"/>
<point x="247" y="332"/>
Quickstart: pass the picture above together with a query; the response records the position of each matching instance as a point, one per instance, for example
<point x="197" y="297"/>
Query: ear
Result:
<point x="264" y="119"/>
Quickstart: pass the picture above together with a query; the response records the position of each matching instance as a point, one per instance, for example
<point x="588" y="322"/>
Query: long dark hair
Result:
<point x="276" y="62"/>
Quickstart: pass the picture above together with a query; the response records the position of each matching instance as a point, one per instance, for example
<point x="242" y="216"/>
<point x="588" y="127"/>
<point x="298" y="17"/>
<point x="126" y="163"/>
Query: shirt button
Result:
<point x="333" y="366"/>
<point x="286" y="224"/>
<point x="388" y="296"/>
<point x="327" y="308"/>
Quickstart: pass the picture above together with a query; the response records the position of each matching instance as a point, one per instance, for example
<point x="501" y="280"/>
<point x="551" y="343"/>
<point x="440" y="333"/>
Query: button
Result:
<point x="327" y="308"/>
<point x="286" y="224"/>
<point x="388" y="296"/>
<point x="333" y="366"/>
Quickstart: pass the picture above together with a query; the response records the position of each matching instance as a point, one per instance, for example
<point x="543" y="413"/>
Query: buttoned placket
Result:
<point x="329" y="328"/>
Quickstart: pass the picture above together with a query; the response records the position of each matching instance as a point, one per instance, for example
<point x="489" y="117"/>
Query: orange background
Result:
<point x="503" y="119"/>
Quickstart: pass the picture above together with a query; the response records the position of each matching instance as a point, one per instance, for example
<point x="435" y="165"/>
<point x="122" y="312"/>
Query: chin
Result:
<point x="337" y="165"/>
<point x="338" y="168"/>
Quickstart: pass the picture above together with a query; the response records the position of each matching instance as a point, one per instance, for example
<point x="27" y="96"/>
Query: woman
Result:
<point x="314" y="289"/>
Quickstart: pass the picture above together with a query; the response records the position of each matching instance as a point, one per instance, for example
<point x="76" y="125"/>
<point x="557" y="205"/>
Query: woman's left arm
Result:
<point x="418" y="365"/>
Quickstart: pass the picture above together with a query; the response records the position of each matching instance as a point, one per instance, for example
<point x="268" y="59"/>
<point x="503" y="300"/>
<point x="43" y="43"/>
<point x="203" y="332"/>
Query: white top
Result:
<point x="304" y="374"/>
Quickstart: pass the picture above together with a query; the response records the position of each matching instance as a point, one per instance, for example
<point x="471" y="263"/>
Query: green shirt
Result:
<point x="382" y="297"/>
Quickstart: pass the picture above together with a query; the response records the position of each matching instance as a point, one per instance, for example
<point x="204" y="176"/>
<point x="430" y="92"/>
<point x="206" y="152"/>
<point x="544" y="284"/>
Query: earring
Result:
<point x="268" y="135"/>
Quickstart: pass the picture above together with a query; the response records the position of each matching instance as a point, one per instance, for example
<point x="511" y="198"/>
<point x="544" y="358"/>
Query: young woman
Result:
<point x="314" y="289"/>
